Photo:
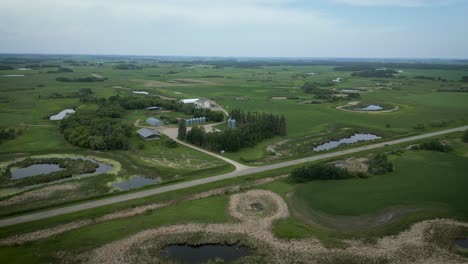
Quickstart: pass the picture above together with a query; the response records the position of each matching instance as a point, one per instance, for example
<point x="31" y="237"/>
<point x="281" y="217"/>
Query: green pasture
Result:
<point x="420" y="178"/>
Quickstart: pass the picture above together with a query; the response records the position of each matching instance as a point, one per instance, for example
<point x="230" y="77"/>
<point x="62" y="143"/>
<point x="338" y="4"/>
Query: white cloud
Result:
<point x="402" y="3"/>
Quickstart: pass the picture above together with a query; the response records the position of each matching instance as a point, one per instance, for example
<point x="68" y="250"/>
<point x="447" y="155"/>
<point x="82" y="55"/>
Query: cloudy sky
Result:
<point x="260" y="28"/>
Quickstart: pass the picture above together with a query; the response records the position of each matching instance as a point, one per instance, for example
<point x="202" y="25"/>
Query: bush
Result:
<point x="465" y="136"/>
<point x="170" y="143"/>
<point x="435" y="145"/>
<point x="379" y="164"/>
<point x="322" y="172"/>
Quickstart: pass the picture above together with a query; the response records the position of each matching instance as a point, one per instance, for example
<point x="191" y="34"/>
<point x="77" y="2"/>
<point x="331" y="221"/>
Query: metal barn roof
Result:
<point x="146" y="132"/>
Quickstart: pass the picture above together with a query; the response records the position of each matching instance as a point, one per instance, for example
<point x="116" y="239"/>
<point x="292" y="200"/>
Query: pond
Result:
<point x="140" y="92"/>
<point x="371" y="108"/>
<point x="102" y="166"/>
<point x="350" y="140"/>
<point x="34" y="170"/>
<point x="136" y="182"/>
<point x="337" y="80"/>
<point x="462" y="242"/>
<point x="349" y="91"/>
<point x="62" y="114"/>
<point x="192" y="254"/>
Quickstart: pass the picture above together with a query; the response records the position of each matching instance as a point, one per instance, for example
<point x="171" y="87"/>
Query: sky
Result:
<point x="238" y="28"/>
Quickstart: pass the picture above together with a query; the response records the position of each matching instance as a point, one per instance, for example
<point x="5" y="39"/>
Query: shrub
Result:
<point x="435" y="145"/>
<point x="322" y="172"/>
<point x="465" y="136"/>
<point x="379" y="164"/>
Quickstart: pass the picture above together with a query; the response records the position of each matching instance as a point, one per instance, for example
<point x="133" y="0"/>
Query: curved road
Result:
<point x="188" y="184"/>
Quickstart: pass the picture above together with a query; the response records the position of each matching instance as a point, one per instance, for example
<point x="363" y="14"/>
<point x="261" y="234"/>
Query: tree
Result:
<point x="196" y="136"/>
<point x="282" y="126"/>
<point x="465" y="136"/>
<point x="464" y="79"/>
<point x="182" y="132"/>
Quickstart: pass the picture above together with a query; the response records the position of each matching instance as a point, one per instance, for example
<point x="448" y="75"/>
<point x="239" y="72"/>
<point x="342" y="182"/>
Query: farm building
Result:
<point x="153" y="108"/>
<point x="148" y="134"/>
<point x="189" y="101"/>
<point x="154" y="121"/>
<point x="203" y="103"/>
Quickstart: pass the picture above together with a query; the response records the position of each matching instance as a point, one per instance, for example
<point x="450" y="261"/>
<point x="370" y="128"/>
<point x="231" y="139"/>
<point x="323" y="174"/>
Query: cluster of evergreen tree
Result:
<point x="98" y="130"/>
<point x="251" y="129"/>
<point x="9" y="134"/>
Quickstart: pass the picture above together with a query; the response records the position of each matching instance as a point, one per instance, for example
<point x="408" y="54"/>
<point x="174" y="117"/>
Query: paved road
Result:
<point x="234" y="174"/>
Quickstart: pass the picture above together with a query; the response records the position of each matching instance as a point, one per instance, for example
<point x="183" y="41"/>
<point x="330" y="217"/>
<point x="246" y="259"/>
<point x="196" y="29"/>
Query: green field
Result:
<point x="423" y="184"/>
<point x="421" y="178"/>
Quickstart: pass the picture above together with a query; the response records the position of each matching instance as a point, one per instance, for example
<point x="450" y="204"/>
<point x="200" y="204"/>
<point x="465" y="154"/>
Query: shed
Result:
<point x="203" y="103"/>
<point x="189" y="101"/>
<point x="154" y="121"/>
<point x="147" y="133"/>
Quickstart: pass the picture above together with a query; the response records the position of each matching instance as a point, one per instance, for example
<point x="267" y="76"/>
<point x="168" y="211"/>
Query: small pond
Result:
<point x="371" y="108"/>
<point x="140" y="92"/>
<point x="350" y="140"/>
<point x="62" y="114"/>
<point x="102" y="166"/>
<point x="462" y="242"/>
<point x="337" y="79"/>
<point x="191" y="254"/>
<point x="349" y="91"/>
<point x="136" y="182"/>
<point x="34" y="170"/>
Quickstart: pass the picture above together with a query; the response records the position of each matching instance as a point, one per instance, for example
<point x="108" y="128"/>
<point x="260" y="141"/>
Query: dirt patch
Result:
<point x="353" y="164"/>
<point x="40" y="193"/>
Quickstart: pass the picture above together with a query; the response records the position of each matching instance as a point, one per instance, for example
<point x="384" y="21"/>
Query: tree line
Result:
<point x="251" y="129"/>
<point x="379" y="164"/>
<point x="82" y="79"/>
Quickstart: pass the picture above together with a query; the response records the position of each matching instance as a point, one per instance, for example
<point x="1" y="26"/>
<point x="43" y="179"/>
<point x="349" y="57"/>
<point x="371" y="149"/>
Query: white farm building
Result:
<point x="189" y="101"/>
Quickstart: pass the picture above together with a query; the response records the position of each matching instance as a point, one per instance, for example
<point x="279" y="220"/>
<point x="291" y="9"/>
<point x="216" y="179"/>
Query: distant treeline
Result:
<point x="464" y="79"/>
<point x="82" y="79"/>
<point x="460" y="65"/>
<point x="84" y="94"/>
<point x="434" y="145"/>
<point x="251" y="129"/>
<point x="6" y="68"/>
<point x="127" y="66"/>
<point x="387" y="73"/>
<point x="99" y="130"/>
<point x="61" y="70"/>
<point x="324" y="94"/>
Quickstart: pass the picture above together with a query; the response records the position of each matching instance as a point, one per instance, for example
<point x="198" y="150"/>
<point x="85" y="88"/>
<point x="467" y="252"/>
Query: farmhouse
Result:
<point x="202" y="103"/>
<point x="189" y="101"/>
<point x="154" y="121"/>
<point x="148" y="134"/>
